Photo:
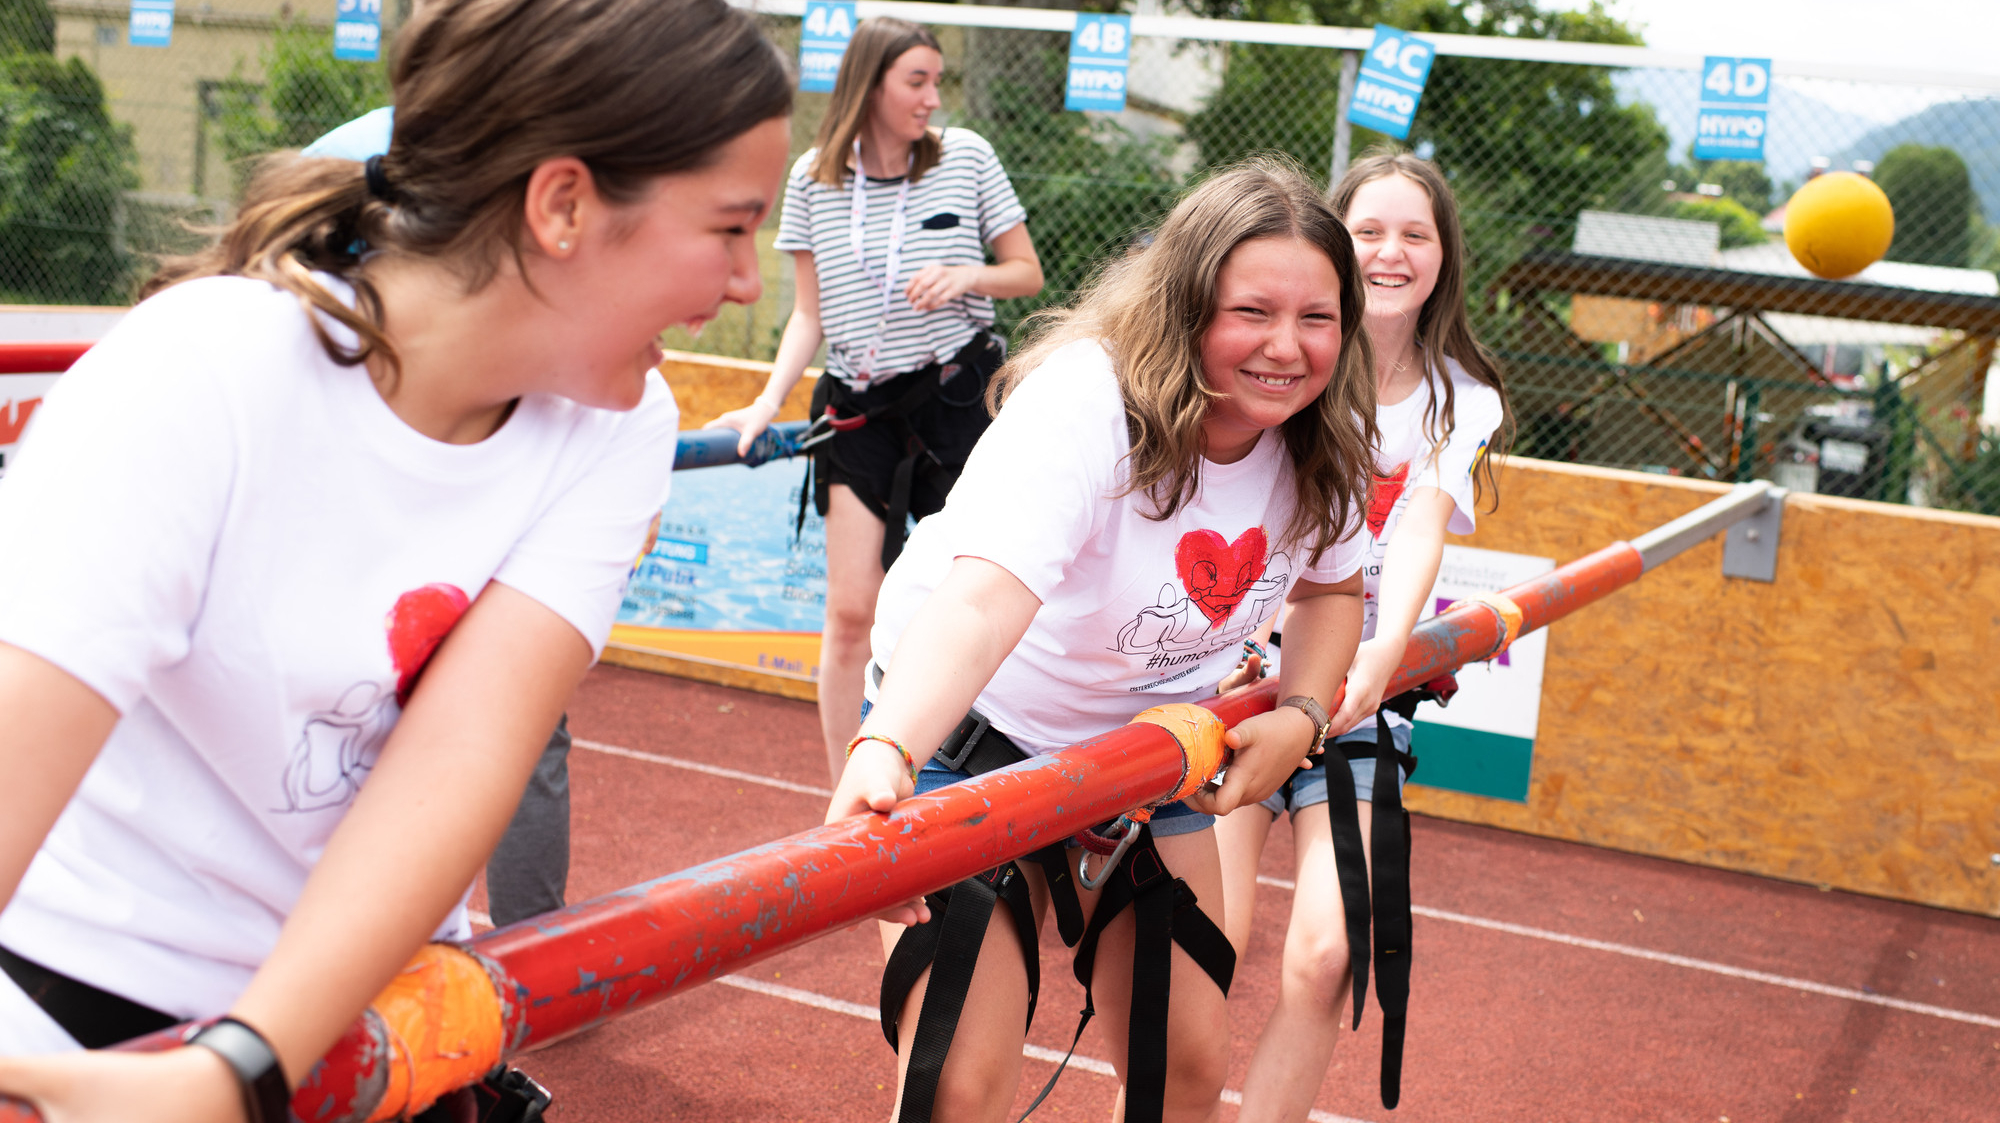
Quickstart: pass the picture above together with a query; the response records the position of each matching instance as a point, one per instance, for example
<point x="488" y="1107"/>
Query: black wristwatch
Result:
<point x="1315" y="713"/>
<point x="266" y="1097"/>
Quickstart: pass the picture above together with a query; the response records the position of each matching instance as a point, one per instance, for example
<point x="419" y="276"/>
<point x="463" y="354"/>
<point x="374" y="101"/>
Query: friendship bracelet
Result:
<point x="908" y="760"/>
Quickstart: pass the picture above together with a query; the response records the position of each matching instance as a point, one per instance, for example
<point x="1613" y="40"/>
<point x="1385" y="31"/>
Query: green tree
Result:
<point x="64" y="169"/>
<point x="1740" y="226"/>
<point x="27" y="27"/>
<point x="1745" y="181"/>
<point x="1088" y="186"/>
<point x="1526" y="145"/>
<point x="1985" y="245"/>
<point x="305" y="93"/>
<point x="1931" y="191"/>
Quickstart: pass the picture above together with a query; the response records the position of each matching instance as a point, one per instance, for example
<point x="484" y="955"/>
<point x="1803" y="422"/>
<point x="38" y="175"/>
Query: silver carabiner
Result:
<point x="1110" y="864"/>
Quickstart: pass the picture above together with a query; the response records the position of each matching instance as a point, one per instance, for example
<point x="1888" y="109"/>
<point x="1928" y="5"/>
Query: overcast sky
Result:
<point x="1960" y="35"/>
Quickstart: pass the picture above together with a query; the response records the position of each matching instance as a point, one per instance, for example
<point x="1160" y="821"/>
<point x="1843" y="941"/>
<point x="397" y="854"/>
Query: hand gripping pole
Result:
<point x="559" y="974"/>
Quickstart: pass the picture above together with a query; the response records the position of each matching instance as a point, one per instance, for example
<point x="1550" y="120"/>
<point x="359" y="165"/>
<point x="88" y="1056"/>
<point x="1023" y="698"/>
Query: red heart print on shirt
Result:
<point x="418" y="623"/>
<point x="1216" y="573"/>
<point x="1382" y="500"/>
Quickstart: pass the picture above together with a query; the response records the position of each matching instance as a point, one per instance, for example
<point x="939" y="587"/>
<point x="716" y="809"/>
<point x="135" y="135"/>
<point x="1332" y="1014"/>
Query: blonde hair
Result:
<point x="486" y="91"/>
<point x="1443" y="328"/>
<point x="1150" y="309"/>
<point x="876" y="46"/>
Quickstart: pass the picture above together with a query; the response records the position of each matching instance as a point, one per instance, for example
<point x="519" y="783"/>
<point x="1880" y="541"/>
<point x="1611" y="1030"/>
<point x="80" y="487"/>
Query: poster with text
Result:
<point x="823" y="37"/>
<point x="1483" y="742"/>
<point x="730" y="580"/>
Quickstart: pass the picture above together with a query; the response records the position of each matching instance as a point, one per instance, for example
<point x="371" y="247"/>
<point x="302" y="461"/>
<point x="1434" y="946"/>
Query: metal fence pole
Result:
<point x="1343" y="132"/>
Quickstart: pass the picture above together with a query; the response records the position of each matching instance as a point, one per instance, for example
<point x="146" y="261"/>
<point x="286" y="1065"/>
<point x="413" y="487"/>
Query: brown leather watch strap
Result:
<point x="1314" y="711"/>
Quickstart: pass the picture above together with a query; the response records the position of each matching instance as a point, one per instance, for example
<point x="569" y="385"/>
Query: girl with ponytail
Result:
<point x="304" y="559"/>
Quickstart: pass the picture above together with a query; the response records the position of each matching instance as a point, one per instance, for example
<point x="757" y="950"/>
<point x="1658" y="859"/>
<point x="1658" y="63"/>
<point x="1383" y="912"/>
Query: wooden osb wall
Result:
<point x="1839" y="727"/>
<point x="708" y="385"/>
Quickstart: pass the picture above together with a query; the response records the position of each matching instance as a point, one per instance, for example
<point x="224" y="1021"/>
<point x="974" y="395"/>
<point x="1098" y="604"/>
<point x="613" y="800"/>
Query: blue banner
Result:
<point x="152" y="23"/>
<point x="1735" y="98"/>
<point x="357" y="30"/>
<point x="829" y="24"/>
<point x="1391" y="83"/>
<point x="728" y="558"/>
<point x="1100" y="52"/>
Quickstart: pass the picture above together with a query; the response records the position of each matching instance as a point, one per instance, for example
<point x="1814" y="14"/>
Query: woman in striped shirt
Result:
<point x="889" y="220"/>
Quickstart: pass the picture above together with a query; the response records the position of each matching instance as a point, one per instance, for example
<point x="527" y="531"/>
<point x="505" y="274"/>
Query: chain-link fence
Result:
<point x="1644" y="302"/>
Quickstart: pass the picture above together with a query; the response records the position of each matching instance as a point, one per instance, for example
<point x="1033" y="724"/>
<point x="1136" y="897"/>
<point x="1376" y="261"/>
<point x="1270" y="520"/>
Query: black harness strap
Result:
<point x="1385" y="902"/>
<point x="948" y="944"/>
<point x="1350" y="863"/>
<point x="921" y="387"/>
<point x="1165" y="912"/>
<point x="1390" y="833"/>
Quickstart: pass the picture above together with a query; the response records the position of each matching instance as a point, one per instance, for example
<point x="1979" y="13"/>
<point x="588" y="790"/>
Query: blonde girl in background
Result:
<point x="889" y="220"/>
<point x="1440" y="405"/>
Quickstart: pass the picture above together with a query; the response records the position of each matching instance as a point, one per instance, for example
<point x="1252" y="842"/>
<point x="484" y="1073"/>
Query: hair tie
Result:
<point x="378" y="180"/>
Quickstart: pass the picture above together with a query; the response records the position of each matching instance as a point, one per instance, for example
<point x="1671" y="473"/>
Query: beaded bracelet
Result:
<point x="908" y="760"/>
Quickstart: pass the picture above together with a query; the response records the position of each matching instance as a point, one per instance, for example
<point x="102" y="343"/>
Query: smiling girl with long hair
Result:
<point x="1178" y="455"/>
<point x="1441" y="407"/>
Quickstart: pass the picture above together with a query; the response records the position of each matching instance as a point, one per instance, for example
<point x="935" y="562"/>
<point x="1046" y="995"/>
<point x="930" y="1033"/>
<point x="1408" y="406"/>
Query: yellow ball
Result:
<point x="1838" y="224"/>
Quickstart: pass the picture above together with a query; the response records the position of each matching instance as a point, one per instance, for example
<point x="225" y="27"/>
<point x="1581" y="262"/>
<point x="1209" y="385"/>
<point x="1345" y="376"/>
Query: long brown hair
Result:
<point x="1443" y="328"/>
<point x="1150" y="310"/>
<point x="485" y="91"/>
<point x="876" y="46"/>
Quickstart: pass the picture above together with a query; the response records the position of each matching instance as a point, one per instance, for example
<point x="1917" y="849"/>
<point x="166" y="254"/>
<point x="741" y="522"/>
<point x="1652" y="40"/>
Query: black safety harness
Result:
<point x="1165" y="912"/>
<point x="1387" y="901"/>
<point x="838" y="409"/>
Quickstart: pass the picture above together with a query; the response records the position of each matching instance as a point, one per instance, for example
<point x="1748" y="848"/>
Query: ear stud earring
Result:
<point x="562" y="245"/>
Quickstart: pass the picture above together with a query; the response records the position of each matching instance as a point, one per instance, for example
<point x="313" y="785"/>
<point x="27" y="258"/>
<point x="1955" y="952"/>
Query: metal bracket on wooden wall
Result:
<point x="1750" y="512"/>
<point x="1751" y="549"/>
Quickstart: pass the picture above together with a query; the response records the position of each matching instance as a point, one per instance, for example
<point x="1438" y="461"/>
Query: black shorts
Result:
<point x="948" y="423"/>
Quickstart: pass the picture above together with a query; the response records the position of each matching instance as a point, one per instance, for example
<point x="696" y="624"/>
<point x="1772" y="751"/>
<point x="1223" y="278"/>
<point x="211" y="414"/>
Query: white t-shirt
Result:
<point x="1135" y="612"/>
<point x="236" y="542"/>
<point x="953" y="212"/>
<point x="1410" y="457"/>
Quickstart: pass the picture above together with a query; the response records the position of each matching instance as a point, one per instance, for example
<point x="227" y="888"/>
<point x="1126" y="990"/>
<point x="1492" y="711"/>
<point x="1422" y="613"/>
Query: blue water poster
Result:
<point x="823" y="37"/>
<point x="152" y="23"/>
<point x="1100" y="53"/>
<point x="1733" y="117"/>
<point x="730" y="581"/>
<point x="357" y="30"/>
<point x="1391" y="83"/>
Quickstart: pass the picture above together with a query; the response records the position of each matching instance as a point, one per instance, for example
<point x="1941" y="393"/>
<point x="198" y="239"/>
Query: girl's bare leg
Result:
<point x="984" y="1066"/>
<point x="853" y="579"/>
<point x="1239" y="836"/>
<point x="1297" y="1042"/>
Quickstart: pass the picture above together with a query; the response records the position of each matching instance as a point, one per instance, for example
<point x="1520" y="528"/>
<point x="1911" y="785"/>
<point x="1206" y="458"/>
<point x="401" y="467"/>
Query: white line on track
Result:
<point x="707" y="769"/>
<point x="1690" y="963"/>
<point x="1670" y="959"/>
<point x="1032" y="1052"/>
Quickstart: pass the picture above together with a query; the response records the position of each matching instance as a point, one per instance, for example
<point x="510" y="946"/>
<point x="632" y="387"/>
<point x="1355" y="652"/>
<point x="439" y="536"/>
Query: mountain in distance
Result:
<point x="1970" y="127"/>
<point x="1800" y="126"/>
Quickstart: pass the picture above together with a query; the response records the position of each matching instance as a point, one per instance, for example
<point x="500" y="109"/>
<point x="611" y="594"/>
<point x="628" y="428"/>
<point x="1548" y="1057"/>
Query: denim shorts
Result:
<point x="1307" y="786"/>
<point x="1173" y="819"/>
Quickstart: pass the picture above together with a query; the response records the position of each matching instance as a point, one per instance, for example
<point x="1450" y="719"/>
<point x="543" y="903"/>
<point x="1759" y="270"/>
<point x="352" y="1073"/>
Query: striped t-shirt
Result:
<point x="954" y="211"/>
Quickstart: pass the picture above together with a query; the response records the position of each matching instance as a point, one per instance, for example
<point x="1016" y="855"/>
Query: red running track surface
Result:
<point x="1553" y="981"/>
